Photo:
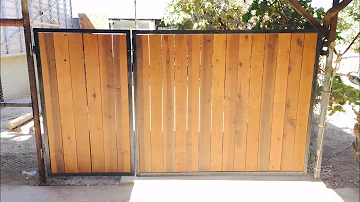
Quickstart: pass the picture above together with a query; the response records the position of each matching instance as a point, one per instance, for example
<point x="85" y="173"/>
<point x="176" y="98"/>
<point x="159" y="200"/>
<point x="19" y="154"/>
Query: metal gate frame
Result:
<point x="312" y="100"/>
<point x="42" y="99"/>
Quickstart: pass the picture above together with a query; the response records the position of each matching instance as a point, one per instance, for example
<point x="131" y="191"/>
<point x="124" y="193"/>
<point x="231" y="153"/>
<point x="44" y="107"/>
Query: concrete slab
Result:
<point x="178" y="189"/>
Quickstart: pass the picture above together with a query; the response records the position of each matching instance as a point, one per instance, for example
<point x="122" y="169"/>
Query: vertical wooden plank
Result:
<point x="156" y="103"/>
<point x="257" y="63"/>
<point x="63" y="74"/>
<point x="180" y="102"/>
<point x="193" y="102"/>
<point x="277" y="128"/>
<point x="205" y="102"/>
<point x="48" y="63"/>
<point x="232" y="63"/>
<point x="122" y="103"/>
<point x="302" y="115"/>
<point x="292" y="96"/>
<point x="108" y="101"/>
<point x="143" y="105"/>
<point x="91" y="53"/>
<point x="79" y="102"/>
<point x="217" y="100"/>
<point x="242" y="100"/>
<point x="168" y="111"/>
<point x="267" y="100"/>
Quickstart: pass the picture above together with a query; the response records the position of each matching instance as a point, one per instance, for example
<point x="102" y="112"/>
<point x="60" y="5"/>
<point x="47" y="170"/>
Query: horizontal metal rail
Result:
<point x="11" y="22"/>
<point x="15" y="104"/>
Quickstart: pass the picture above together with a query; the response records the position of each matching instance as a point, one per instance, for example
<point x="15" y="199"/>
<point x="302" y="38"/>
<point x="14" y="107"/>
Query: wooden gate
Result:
<point x="85" y="80"/>
<point x="223" y="102"/>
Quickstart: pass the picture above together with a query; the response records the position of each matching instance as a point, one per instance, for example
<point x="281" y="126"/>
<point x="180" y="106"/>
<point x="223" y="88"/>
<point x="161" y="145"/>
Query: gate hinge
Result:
<point x="42" y="153"/>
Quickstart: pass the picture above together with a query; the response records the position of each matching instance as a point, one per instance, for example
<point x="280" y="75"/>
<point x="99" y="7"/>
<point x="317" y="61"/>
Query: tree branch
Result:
<point x="333" y="11"/>
<point x="295" y="4"/>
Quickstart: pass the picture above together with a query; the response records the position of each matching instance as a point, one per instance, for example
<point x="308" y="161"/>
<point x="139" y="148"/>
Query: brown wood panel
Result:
<point x="108" y="101"/>
<point x="242" y="100"/>
<point x="257" y="63"/>
<point x="277" y="129"/>
<point x="63" y="74"/>
<point x="168" y="93"/>
<point x="122" y="103"/>
<point x="193" y="102"/>
<point x="205" y="102"/>
<point x="302" y="116"/>
<point x="91" y="53"/>
<point x="79" y="102"/>
<point x="180" y="102"/>
<point x="143" y="103"/>
<point x="48" y="63"/>
<point x="217" y="100"/>
<point x="231" y="77"/>
<point x="292" y="95"/>
<point x="156" y="103"/>
<point x="267" y="100"/>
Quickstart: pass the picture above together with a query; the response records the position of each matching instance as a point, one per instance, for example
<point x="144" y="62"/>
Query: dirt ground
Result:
<point x="18" y="154"/>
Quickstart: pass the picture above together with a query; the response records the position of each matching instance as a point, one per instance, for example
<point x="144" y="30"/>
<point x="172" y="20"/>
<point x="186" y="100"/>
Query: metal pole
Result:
<point x="135" y="14"/>
<point x="325" y="94"/>
<point x="33" y="89"/>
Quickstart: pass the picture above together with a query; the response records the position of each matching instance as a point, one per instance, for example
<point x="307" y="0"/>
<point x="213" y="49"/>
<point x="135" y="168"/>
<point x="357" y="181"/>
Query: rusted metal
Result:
<point x="15" y="104"/>
<point x="33" y="89"/>
<point x="11" y="22"/>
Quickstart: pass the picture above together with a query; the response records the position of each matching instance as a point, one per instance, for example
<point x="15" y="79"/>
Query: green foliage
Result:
<point x="348" y="23"/>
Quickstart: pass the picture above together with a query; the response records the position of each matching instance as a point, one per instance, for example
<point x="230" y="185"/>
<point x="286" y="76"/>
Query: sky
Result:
<point x="148" y="9"/>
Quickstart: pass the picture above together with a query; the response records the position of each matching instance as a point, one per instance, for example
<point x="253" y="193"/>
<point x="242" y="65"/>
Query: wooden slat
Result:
<point x="217" y="100"/>
<point x="63" y="74"/>
<point x="232" y="64"/>
<point x="257" y="63"/>
<point x="292" y="95"/>
<point x="168" y="111"/>
<point x="302" y="116"/>
<point x="242" y="100"/>
<point x="267" y="100"/>
<point x="156" y="103"/>
<point x="180" y="102"/>
<point x="108" y="101"/>
<point x="91" y="50"/>
<point x="193" y="102"/>
<point x="143" y="103"/>
<point x="79" y="101"/>
<point x="122" y="103"/>
<point x="48" y="64"/>
<point x="277" y="128"/>
<point x="205" y="102"/>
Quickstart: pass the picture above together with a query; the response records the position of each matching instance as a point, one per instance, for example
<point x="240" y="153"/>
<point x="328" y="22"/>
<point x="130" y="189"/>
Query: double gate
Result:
<point x="189" y="101"/>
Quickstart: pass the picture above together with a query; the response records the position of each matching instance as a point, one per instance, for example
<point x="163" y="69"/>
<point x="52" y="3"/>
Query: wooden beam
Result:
<point x="333" y="11"/>
<point x="11" y="22"/>
<point x="295" y="4"/>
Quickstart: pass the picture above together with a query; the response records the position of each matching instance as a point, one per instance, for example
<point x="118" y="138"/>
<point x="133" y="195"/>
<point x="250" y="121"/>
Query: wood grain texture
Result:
<point x="48" y="63"/>
<point x="205" y="102"/>
<point x="217" y="100"/>
<point x="122" y="103"/>
<point x="292" y="95"/>
<point x="231" y="77"/>
<point x="254" y="124"/>
<point x="91" y="53"/>
<point x="108" y="101"/>
<point x="168" y="94"/>
<point x="63" y="74"/>
<point x="267" y="100"/>
<point x="193" y="102"/>
<point x="79" y="102"/>
<point x="242" y="101"/>
<point x="277" y="129"/>
<point x="156" y="103"/>
<point x="180" y="102"/>
<point x="302" y="116"/>
<point x="143" y="103"/>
